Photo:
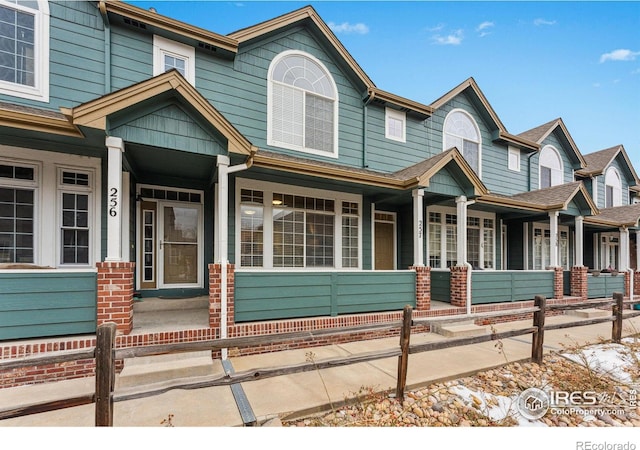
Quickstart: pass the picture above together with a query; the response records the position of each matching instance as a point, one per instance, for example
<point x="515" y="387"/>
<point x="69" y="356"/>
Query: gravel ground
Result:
<point x="486" y="399"/>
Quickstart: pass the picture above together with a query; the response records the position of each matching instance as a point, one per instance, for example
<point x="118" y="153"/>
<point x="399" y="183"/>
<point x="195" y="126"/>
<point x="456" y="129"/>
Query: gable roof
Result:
<point x="305" y="13"/>
<point x="626" y="216"/>
<point x="408" y="178"/>
<point x="598" y="162"/>
<point x="541" y="132"/>
<point x="554" y="198"/>
<point x="94" y="114"/>
<point x="36" y="119"/>
<point x="502" y="133"/>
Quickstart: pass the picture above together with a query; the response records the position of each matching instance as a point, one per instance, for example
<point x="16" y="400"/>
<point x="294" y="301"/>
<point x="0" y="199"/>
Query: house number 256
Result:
<point x="113" y="202"/>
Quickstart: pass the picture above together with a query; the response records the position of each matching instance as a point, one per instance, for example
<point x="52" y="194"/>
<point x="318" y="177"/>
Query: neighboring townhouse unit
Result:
<point x="144" y="157"/>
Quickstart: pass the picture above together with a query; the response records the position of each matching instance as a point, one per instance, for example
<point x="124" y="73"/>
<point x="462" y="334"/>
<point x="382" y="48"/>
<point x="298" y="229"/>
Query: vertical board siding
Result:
<point x="604" y="285"/>
<point x="47" y="304"/>
<point x="510" y="286"/>
<point x="278" y="295"/>
<point x="440" y="285"/>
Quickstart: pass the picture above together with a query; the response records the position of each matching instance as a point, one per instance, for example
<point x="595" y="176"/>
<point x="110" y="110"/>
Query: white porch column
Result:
<point x="418" y="227"/>
<point x="579" y="241"/>
<point x="115" y="148"/>
<point x="461" y="204"/>
<point x="624" y="249"/>
<point x="553" y="238"/>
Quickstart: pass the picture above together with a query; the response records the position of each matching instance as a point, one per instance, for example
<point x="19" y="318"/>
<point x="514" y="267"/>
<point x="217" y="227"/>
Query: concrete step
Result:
<point x="153" y="369"/>
<point x="459" y="329"/>
<point x="589" y="313"/>
<point x="156" y="304"/>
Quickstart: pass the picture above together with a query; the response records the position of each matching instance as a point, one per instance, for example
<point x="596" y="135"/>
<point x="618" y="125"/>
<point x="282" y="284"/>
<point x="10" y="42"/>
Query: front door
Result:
<point x="385" y="241"/>
<point x="170" y="245"/>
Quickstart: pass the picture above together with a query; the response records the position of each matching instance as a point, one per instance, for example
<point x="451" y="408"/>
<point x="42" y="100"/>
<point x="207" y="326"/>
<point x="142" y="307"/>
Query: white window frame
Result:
<point x="443" y="210"/>
<point x="270" y="140"/>
<point x="445" y="147"/>
<point x="401" y="116"/>
<point x="75" y="189"/>
<point x="557" y="174"/>
<point x="268" y="189"/>
<point x="545" y="263"/>
<point x="607" y="243"/>
<point x="163" y="46"/>
<point x="613" y="180"/>
<point x="46" y="199"/>
<point x="514" y="159"/>
<point x="40" y="91"/>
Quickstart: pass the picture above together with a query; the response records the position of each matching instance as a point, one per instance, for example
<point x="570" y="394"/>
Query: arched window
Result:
<point x="551" y="172"/>
<point x="302" y="105"/>
<point x="613" y="188"/>
<point x="24" y="49"/>
<point x="461" y="131"/>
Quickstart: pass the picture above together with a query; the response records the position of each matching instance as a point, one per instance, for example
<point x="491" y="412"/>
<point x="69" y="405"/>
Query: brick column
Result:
<point x="627" y="284"/>
<point x="579" y="286"/>
<point x="423" y="287"/>
<point x="558" y="282"/>
<point x="458" y="288"/>
<point x="115" y="294"/>
<point x="215" y="289"/>
<point x="636" y="283"/>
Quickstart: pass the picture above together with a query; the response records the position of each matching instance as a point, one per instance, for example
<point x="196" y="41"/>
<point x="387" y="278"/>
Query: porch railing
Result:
<point x="510" y="285"/>
<point x="43" y="302"/>
<point x="285" y="295"/>
<point x="599" y="286"/>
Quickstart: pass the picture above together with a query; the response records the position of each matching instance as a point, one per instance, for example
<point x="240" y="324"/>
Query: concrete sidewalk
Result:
<point x="300" y="394"/>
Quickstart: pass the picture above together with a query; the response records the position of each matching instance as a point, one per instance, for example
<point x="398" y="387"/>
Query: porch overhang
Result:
<point x="35" y="119"/>
<point x="95" y="114"/>
<point x="617" y="217"/>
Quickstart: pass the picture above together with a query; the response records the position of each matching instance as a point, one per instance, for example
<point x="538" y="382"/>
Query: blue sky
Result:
<point x="534" y="61"/>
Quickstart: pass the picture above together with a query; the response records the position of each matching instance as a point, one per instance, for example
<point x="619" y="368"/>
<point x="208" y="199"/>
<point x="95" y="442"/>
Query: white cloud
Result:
<point x="452" y="39"/>
<point x="348" y="28"/>
<point x="484" y="27"/>
<point x="438" y="27"/>
<point x="539" y="22"/>
<point x="619" y="55"/>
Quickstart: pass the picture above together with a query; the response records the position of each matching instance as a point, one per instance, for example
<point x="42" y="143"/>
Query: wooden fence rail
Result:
<point x="105" y="355"/>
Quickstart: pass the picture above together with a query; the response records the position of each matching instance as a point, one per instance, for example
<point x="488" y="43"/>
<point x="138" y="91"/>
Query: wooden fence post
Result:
<point x="616" y="332"/>
<point x="538" y="336"/>
<point x="105" y="374"/>
<point x="403" y="359"/>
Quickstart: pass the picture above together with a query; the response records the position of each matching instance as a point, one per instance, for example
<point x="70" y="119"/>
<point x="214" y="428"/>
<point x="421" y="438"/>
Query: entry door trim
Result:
<point x="394" y="221"/>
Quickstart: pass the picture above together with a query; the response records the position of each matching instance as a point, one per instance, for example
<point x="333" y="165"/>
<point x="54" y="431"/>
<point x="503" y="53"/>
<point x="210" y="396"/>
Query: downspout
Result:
<point x="223" y="213"/>
<point x="469" y="271"/>
<point x="365" y="118"/>
<point x="107" y="46"/>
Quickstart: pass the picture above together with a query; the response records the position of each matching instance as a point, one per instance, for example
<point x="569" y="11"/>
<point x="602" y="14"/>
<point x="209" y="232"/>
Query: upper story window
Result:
<point x="461" y="131"/>
<point x="395" y="125"/>
<point x="551" y="172"/>
<point x="24" y="49"/>
<point x="302" y="105"/>
<point x="613" y="188"/>
<point x="514" y="159"/>
<point x="168" y="54"/>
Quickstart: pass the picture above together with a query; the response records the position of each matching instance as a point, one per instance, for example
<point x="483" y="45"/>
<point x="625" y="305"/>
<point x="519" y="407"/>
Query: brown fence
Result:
<point x="106" y="355"/>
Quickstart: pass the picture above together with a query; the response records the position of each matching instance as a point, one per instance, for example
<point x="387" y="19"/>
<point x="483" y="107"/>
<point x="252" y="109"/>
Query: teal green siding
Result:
<point x="275" y="295"/>
<point x="445" y="183"/>
<point x="47" y="304"/>
<point x="604" y="285"/>
<point x="441" y="285"/>
<point x="131" y="56"/>
<point x="171" y="127"/>
<point x="510" y="286"/>
<point x="76" y="49"/>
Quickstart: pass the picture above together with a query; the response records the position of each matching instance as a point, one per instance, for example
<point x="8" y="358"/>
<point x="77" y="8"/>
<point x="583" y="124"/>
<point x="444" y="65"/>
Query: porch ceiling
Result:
<point x="146" y="162"/>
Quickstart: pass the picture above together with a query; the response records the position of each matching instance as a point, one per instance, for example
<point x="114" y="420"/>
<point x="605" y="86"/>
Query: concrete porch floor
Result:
<point x="153" y="314"/>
